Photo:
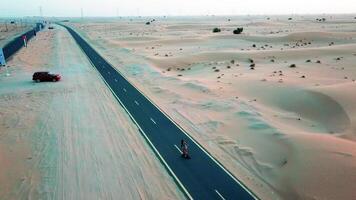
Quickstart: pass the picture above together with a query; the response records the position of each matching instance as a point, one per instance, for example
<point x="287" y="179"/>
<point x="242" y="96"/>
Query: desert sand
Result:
<point x="275" y="104"/>
<point x="70" y="139"/>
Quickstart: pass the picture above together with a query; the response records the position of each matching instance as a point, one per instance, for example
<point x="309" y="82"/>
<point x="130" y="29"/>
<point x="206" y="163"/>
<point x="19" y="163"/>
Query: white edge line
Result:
<point x="144" y="134"/>
<point x="178" y="149"/>
<point x="180" y="128"/>
<point x="208" y="154"/>
<point x="221" y="196"/>
<point x="150" y="143"/>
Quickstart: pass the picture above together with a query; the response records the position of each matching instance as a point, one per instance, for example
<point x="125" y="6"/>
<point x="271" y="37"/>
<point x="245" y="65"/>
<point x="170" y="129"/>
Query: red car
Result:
<point x="45" y="76"/>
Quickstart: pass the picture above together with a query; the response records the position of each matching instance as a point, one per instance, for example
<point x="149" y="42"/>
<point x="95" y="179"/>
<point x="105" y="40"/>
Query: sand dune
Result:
<point x="344" y="94"/>
<point x="186" y="60"/>
<point x="287" y="131"/>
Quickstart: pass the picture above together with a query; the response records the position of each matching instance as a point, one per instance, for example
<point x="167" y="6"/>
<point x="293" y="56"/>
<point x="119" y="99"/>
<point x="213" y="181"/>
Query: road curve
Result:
<point x="201" y="177"/>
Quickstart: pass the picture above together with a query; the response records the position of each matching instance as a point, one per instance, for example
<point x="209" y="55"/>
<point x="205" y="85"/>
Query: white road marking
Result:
<point x="178" y="149"/>
<point x="153" y="121"/>
<point x="145" y="135"/>
<point x="154" y="148"/>
<point x="124" y="89"/>
<point x="221" y="196"/>
<point x="108" y="72"/>
<point x="115" y="80"/>
<point x="193" y="140"/>
<point x="136" y="103"/>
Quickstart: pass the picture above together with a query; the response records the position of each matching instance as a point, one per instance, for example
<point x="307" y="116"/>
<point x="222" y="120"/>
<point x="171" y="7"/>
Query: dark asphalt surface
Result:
<point x="201" y="176"/>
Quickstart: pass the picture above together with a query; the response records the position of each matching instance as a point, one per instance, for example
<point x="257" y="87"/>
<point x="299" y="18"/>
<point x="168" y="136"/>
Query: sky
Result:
<point x="108" y="8"/>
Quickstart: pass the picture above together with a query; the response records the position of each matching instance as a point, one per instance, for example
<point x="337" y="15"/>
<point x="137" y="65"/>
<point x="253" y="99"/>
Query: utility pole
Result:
<point x="41" y="13"/>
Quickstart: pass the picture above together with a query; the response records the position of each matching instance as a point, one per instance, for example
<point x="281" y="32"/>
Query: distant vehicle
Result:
<point x="45" y="76"/>
<point x="50" y="27"/>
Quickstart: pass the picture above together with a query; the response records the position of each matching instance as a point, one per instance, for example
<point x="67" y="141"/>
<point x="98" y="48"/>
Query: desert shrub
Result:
<point x="148" y="23"/>
<point x="292" y="66"/>
<point x="238" y="30"/>
<point x="216" y="30"/>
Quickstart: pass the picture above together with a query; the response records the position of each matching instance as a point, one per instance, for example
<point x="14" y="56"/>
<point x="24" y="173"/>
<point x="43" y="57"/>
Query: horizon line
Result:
<point x="178" y="15"/>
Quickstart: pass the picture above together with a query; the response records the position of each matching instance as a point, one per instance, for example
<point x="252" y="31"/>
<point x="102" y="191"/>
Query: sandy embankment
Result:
<point x="71" y="139"/>
<point x="286" y="132"/>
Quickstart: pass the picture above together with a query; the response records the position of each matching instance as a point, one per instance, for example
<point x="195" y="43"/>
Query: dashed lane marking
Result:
<point x="221" y="196"/>
<point x="178" y="149"/>
<point x="153" y="121"/>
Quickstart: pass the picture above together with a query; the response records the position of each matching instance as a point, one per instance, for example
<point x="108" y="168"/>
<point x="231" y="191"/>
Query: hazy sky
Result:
<point x="72" y="8"/>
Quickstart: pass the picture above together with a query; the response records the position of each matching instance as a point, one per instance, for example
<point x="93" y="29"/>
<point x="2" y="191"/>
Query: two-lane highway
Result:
<point x="201" y="177"/>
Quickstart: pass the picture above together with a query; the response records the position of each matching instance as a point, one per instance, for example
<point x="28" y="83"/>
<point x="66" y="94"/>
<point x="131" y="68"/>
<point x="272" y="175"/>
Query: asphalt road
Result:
<point x="201" y="177"/>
